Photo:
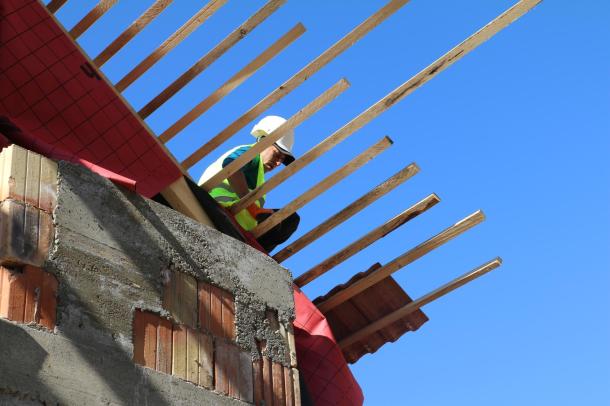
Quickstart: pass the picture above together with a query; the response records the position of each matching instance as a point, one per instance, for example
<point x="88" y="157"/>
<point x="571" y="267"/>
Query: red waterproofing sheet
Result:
<point x="48" y="90"/>
<point x="321" y="362"/>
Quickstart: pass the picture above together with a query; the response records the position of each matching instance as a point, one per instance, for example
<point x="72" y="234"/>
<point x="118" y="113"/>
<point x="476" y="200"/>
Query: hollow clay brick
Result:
<point x="180" y="298"/>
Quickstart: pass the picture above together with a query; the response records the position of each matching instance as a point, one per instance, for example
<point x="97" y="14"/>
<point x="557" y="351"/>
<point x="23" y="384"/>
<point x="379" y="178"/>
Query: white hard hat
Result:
<point x="269" y="124"/>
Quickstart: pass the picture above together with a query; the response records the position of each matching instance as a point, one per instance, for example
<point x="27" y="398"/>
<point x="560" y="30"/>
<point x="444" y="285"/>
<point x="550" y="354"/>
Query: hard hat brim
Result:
<point x="288" y="157"/>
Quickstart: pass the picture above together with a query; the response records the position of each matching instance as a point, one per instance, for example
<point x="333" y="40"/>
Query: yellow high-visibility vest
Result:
<point x="224" y="194"/>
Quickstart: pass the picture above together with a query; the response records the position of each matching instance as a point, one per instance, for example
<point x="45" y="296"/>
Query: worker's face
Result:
<point x="272" y="157"/>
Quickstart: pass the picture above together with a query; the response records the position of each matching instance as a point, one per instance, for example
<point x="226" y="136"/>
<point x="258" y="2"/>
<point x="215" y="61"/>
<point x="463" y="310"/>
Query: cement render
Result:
<point x="112" y="246"/>
<point x="54" y="370"/>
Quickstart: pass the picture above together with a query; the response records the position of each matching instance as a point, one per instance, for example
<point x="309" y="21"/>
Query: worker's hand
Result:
<point x="255" y="211"/>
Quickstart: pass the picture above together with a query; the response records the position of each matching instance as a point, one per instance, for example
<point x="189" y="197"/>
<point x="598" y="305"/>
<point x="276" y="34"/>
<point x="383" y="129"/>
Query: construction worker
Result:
<point x="251" y="176"/>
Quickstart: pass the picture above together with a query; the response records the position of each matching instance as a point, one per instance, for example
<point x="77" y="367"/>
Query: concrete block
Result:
<point x="26" y="234"/>
<point x="28" y="294"/>
<point x="28" y="177"/>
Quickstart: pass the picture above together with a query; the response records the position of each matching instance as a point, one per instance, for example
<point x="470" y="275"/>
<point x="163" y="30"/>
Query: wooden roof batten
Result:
<point x="240" y="77"/>
<point x="170" y="43"/>
<point x="95" y="14"/>
<point x="223" y="46"/>
<point x="322" y="186"/>
<point x="130" y="32"/>
<point x="298" y="78"/>
<point x="329" y="95"/>
<point x="389" y="100"/>
<point x="368" y="239"/>
<point x="417" y="304"/>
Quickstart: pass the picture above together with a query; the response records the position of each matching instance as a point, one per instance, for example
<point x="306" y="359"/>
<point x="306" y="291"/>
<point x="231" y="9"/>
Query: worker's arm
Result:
<point x="239" y="184"/>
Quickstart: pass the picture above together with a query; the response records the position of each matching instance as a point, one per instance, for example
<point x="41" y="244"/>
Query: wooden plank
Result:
<point x="403" y="260"/>
<point x="278" y="384"/>
<point x="366" y="240"/>
<point x="292" y="83"/>
<point x="233" y="38"/>
<point x="130" y="32"/>
<point x="180" y="197"/>
<point x="346" y="213"/>
<point x="195" y="21"/>
<point x="321" y="187"/>
<point x="179" y="359"/>
<point x="314" y="106"/>
<point x="204" y="305"/>
<point x="206" y="361"/>
<point x="92" y="16"/>
<point x="390" y="99"/>
<point x="55" y="5"/>
<point x="231" y="84"/>
<point x="164" y="346"/>
<point x="228" y="315"/>
<point x="411" y="307"/>
<point x="216" y="311"/>
<point x="192" y="355"/>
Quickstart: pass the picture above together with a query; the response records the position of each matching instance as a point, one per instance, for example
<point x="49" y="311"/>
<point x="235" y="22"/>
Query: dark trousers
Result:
<point x="279" y="233"/>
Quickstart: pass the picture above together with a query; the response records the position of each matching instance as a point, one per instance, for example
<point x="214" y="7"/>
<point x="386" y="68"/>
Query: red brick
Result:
<point x="257" y="380"/>
<point x="192" y="355"/>
<point x="164" y="347"/>
<point x="244" y="377"/>
<point x="179" y="350"/>
<point x="33" y="289"/>
<point x="278" y="384"/>
<point x="216" y="311"/>
<point x="228" y="315"/>
<point x="288" y="386"/>
<point x="267" y="381"/>
<point x="203" y="289"/>
<point x="48" y="301"/>
<point x="13" y="295"/>
<point x="180" y="297"/>
<point x="206" y="361"/>
<point x="145" y="338"/>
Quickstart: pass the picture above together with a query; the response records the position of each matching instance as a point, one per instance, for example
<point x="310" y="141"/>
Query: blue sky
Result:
<point x="519" y="128"/>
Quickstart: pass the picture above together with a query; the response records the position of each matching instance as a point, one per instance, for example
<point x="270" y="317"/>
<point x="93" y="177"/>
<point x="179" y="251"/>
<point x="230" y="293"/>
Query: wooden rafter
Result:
<point x="130" y="32"/>
<point x="223" y="46"/>
<point x="191" y="25"/>
<point x="298" y="78"/>
<point x="55" y="5"/>
<point x="98" y="11"/>
<point x="231" y="84"/>
<point x="366" y="240"/>
<point x="347" y="212"/>
<point x="403" y="260"/>
<point x="326" y="183"/>
<point x="302" y="115"/>
<point x="392" y="98"/>
<point x="415" y="305"/>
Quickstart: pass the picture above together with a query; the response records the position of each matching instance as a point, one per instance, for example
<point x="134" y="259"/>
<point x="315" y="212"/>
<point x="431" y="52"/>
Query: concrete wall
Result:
<point x="113" y="252"/>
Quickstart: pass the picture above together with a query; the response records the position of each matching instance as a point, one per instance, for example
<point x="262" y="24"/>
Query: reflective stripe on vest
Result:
<point x="226" y="196"/>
